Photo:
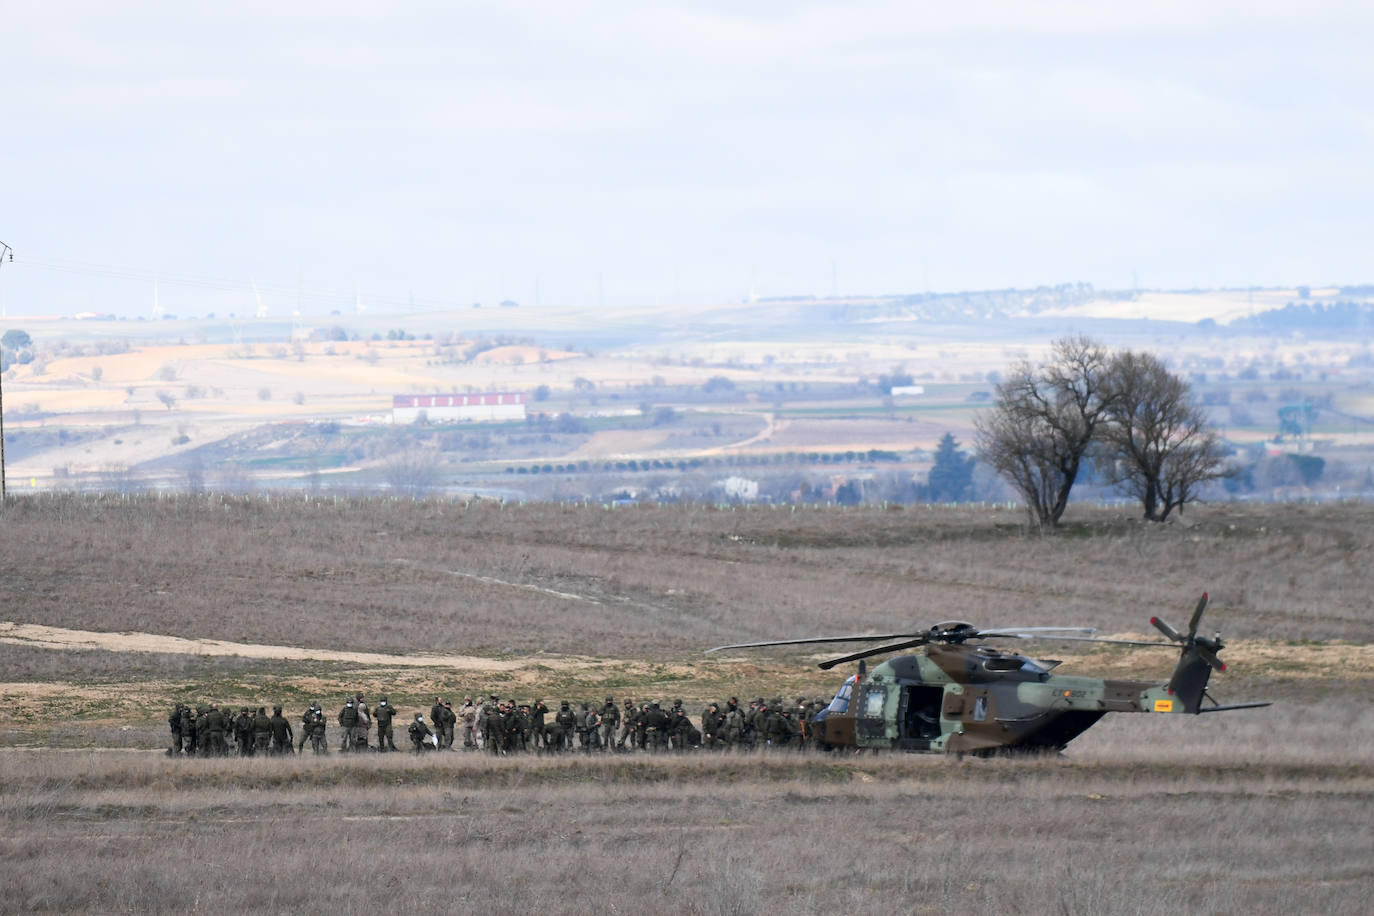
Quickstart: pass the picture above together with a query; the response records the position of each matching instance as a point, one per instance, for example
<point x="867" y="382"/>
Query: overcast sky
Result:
<point x="671" y="152"/>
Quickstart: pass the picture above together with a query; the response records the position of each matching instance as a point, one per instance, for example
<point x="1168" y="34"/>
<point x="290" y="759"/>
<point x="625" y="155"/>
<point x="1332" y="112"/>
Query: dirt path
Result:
<point x="32" y="634"/>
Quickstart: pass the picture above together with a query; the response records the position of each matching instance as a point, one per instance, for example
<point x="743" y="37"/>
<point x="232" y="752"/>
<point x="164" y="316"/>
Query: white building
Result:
<point x="446" y="408"/>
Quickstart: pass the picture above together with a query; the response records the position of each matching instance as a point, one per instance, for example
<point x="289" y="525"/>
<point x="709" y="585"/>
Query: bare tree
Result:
<point x="1157" y="441"/>
<point x="415" y="472"/>
<point x="1043" y="422"/>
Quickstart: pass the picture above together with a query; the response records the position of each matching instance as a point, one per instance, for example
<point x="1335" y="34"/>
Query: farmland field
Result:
<point x="118" y="607"/>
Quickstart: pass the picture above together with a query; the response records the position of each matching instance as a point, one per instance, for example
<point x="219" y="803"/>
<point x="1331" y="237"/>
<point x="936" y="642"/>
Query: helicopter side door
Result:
<point x="918" y="715"/>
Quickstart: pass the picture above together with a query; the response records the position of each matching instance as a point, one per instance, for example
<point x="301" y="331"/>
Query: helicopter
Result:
<point x="959" y="696"/>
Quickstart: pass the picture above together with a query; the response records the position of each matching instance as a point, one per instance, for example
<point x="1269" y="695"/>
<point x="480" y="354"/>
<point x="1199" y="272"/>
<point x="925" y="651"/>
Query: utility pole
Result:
<point x="4" y="250"/>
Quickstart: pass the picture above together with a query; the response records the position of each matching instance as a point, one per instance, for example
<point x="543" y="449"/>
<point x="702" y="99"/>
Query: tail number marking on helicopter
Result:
<point x="1164" y="705"/>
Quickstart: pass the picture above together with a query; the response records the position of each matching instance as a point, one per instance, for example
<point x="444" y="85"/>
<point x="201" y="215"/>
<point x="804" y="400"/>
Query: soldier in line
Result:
<point x="262" y="732"/>
<point x="282" y="737"/>
<point x="610" y="723"/>
<point x="566" y="721"/>
<point x="450" y="720"/>
<point x="307" y="721"/>
<point x="436" y="720"/>
<point x="348" y="720"/>
<point x="592" y="736"/>
<point x="243" y="732"/>
<point x="216" y="722"/>
<point x="364" y="725"/>
<point x="508" y="727"/>
<point x="467" y="715"/>
<point x="316" y="725"/>
<point x="174" y="724"/>
<point x="712" y="721"/>
<point x="383" y="714"/>
<point x="627" y="727"/>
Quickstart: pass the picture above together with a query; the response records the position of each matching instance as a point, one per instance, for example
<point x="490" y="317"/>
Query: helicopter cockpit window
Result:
<point x="873" y="703"/>
<point x="840" y="705"/>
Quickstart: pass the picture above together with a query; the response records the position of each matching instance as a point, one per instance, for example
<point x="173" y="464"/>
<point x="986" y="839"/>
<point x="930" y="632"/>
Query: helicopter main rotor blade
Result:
<point x="1106" y="639"/>
<point x="910" y="643"/>
<point x="1197" y="616"/>
<point x="813" y="640"/>
<point x="1036" y="632"/>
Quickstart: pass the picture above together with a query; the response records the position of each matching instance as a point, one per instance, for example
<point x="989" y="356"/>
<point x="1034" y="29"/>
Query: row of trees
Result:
<point x="1124" y="411"/>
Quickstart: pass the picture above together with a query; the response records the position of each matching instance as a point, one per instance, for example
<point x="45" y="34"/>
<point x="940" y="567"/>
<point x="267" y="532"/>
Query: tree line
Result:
<point x="1122" y="410"/>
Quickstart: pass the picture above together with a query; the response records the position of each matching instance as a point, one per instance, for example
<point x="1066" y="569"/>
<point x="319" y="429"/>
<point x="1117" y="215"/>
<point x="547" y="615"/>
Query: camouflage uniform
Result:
<point x="712" y="723"/>
<point x="348" y="720"/>
<point x="656" y="727"/>
<point x="627" y="728"/>
<point x="243" y="733"/>
<point x="419" y="731"/>
<point x="307" y="724"/>
<point x="538" y="711"/>
<point x="468" y="716"/>
<point x="317" y="727"/>
<point x="610" y="723"/>
<point x="383" y="714"/>
<point x="262" y="731"/>
<point x="215" y="724"/>
<point x="174" y="725"/>
<point x="282" y="736"/>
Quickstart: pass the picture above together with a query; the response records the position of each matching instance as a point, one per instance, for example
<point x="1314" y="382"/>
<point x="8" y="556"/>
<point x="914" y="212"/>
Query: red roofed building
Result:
<point x="442" y="408"/>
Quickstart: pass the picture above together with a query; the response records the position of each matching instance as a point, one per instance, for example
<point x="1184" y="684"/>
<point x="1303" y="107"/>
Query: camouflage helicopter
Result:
<point x="961" y="697"/>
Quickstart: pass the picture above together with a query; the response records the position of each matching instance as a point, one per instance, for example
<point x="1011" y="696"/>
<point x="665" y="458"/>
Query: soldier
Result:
<point x="383" y="714"/>
<point x="610" y="723"/>
<point x="215" y="724"/>
<point x="420" y="734"/>
<point x="732" y="729"/>
<point x="174" y="725"/>
<point x="627" y="727"/>
<point x="567" y="724"/>
<point x="188" y="731"/>
<point x="243" y="732"/>
<point x="450" y="720"/>
<point x="580" y="724"/>
<point x="593" y="728"/>
<point x="684" y="734"/>
<point x="467" y="715"/>
<point x="436" y="719"/>
<point x="348" y="720"/>
<point x="360" y="739"/>
<point x="712" y="722"/>
<point x="283" y="740"/>
<point x="316" y="726"/>
<point x="496" y="728"/>
<point x="481" y="717"/>
<point x="520" y="734"/>
<point x="307" y="720"/>
<point x="262" y="732"/>
<point x="537" y="713"/>
<point x="656" y="728"/>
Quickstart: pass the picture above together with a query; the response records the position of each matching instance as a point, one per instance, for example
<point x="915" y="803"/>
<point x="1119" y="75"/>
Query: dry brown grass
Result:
<point x="661" y="581"/>
<point x="1258" y="812"/>
<point x="751" y="834"/>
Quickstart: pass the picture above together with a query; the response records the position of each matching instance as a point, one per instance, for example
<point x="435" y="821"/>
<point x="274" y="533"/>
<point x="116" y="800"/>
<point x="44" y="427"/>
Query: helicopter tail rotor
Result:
<point x="1197" y="660"/>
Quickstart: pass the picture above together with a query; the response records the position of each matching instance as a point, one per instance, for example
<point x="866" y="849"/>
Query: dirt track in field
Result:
<point x="45" y="637"/>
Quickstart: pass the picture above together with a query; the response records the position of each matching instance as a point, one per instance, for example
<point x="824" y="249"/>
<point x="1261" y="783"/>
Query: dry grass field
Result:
<point x="117" y="607"/>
